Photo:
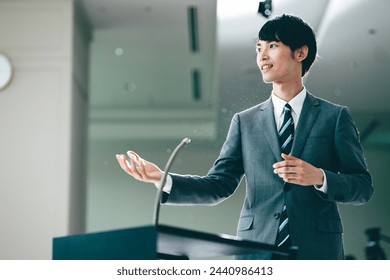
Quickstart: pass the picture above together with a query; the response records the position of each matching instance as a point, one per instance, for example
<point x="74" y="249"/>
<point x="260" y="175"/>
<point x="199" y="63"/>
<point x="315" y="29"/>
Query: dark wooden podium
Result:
<point x="156" y="242"/>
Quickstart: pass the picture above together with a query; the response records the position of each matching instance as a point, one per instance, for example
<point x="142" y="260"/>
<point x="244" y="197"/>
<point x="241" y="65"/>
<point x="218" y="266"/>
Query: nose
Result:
<point x="262" y="55"/>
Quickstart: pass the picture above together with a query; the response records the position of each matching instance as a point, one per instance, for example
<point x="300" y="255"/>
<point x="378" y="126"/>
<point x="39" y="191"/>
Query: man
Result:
<point x="300" y="156"/>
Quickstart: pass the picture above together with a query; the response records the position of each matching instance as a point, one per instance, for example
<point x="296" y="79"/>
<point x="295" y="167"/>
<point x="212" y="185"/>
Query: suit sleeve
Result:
<point x="352" y="183"/>
<point x="220" y="182"/>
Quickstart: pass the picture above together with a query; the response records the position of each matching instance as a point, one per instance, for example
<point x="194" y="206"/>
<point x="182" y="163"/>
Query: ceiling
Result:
<point x="352" y="68"/>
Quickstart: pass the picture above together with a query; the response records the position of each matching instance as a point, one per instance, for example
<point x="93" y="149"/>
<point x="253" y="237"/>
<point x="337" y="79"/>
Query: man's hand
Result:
<point x="139" y="168"/>
<point x="296" y="171"/>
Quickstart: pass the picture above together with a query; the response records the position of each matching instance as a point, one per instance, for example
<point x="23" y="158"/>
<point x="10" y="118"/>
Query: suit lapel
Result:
<point x="268" y="127"/>
<point x="306" y="121"/>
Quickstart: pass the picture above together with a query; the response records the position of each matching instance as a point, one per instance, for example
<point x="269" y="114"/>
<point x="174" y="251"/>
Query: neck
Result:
<point x="287" y="91"/>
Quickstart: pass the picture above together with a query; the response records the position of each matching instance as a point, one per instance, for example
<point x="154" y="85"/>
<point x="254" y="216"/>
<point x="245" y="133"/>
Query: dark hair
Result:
<point x="293" y="32"/>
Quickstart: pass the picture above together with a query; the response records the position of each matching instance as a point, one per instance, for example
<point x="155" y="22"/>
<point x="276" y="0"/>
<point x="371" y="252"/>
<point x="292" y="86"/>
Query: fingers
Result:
<point x="286" y="163"/>
<point x="288" y="157"/>
<point x="289" y="169"/>
<point x="122" y="161"/>
<point x="140" y="161"/>
<point x="286" y="170"/>
<point x="288" y="173"/>
<point x="294" y="175"/>
<point x="296" y="171"/>
<point x="134" y="165"/>
<point x="139" y="168"/>
<point x="139" y="164"/>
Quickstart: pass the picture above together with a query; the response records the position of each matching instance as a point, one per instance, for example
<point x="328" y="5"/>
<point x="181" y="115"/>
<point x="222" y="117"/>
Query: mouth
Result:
<point x="266" y="66"/>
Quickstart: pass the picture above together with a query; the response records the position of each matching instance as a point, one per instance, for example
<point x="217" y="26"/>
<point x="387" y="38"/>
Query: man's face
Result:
<point x="276" y="62"/>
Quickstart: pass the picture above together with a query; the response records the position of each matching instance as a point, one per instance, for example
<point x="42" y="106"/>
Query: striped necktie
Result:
<point x="286" y="137"/>
<point x="286" y="132"/>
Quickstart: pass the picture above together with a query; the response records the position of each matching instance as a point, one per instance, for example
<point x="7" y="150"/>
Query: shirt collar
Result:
<point x="296" y="103"/>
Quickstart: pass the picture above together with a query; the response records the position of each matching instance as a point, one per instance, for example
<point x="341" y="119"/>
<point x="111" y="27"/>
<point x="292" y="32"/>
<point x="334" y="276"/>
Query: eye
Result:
<point x="258" y="49"/>
<point x="271" y="46"/>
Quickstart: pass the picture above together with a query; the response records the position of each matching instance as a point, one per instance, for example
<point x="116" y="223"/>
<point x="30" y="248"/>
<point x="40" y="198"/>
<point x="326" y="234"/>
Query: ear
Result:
<point x="301" y="53"/>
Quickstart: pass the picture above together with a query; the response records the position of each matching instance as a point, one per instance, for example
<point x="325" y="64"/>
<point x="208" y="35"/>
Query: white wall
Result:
<point x="36" y="128"/>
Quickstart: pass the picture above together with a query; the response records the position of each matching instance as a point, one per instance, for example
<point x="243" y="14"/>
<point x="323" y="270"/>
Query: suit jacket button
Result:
<point x="277" y="215"/>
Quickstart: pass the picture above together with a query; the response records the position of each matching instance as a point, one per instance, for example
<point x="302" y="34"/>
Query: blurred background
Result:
<point x="93" y="78"/>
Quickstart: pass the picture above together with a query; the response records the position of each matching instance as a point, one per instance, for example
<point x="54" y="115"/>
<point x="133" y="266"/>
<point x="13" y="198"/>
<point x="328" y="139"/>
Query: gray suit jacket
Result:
<point x="326" y="137"/>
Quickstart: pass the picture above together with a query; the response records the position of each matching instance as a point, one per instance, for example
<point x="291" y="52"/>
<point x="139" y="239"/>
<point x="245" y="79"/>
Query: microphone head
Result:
<point x="186" y="141"/>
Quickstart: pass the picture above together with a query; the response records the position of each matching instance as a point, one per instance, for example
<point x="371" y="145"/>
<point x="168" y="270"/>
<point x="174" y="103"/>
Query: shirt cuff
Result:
<point x="168" y="185"/>
<point x="324" y="187"/>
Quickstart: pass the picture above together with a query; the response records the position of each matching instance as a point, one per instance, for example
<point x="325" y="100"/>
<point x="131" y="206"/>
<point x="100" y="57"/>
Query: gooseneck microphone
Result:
<point x="163" y="180"/>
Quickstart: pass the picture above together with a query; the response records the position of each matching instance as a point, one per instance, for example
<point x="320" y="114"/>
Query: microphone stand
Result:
<point x="373" y="249"/>
<point x="163" y="180"/>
